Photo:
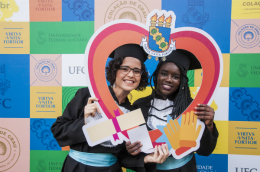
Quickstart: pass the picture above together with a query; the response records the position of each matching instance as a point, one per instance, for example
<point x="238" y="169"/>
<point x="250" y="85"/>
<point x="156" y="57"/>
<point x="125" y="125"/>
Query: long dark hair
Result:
<point x="181" y="97"/>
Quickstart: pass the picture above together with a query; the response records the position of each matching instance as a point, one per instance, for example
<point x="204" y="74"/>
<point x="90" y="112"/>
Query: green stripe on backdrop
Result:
<point x="67" y="94"/>
<point x="244" y="70"/>
<point x="190" y="75"/>
<point x="43" y="161"/>
<point x="60" y="37"/>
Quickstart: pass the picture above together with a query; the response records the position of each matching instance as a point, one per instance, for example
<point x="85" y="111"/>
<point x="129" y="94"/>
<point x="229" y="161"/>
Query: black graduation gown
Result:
<point x="67" y="130"/>
<point x="207" y="143"/>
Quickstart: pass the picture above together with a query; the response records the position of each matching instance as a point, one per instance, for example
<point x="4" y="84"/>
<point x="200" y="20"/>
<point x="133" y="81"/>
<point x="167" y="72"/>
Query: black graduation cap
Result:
<point x="130" y="50"/>
<point x="184" y="58"/>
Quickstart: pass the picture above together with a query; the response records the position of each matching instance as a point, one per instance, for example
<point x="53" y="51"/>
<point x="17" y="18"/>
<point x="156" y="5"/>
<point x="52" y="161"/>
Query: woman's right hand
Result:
<point x="91" y="108"/>
<point x="161" y="153"/>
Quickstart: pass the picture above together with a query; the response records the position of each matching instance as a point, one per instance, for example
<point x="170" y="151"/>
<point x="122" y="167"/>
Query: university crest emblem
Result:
<point x="195" y="16"/>
<point x="159" y="34"/>
<point x="4" y="83"/>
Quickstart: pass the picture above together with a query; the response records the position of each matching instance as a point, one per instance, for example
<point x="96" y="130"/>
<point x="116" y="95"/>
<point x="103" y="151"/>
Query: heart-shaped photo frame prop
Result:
<point x="114" y="124"/>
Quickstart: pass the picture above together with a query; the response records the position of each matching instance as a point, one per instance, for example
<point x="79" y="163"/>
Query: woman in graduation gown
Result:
<point x="171" y="96"/>
<point x="125" y="72"/>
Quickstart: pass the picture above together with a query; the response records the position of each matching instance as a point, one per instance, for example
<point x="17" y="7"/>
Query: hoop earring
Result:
<point x="114" y="85"/>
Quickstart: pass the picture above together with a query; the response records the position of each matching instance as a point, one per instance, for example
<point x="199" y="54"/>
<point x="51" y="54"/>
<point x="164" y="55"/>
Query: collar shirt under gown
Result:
<point x="158" y="116"/>
<point x="67" y="130"/>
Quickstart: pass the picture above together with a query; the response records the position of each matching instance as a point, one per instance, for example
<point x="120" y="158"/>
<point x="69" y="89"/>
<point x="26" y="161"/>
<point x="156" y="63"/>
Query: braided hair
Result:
<point x="181" y="97"/>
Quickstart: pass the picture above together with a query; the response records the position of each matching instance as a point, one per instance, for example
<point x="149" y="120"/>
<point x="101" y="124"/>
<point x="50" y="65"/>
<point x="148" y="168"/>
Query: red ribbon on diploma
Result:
<point x="117" y="127"/>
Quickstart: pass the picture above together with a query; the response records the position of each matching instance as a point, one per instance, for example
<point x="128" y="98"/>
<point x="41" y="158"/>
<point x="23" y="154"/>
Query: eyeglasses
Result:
<point x="126" y="70"/>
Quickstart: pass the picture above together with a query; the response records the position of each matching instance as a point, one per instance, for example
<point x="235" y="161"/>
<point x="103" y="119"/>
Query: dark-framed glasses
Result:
<point x="126" y="70"/>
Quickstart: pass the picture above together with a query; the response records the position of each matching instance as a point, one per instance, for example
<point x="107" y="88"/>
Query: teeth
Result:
<point x="166" y="86"/>
<point x="129" y="82"/>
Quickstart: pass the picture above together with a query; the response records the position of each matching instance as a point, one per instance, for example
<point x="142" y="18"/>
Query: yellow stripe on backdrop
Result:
<point x="45" y="102"/>
<point x="242" y="9"/>
<point x="222" y="144"/>
<point x="243" y="138"/>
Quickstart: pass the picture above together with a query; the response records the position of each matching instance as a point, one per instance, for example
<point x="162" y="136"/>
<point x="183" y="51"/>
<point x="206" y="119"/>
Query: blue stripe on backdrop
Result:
<point x="244" y="104"/>
<point x="75" y="10"/>
<point x="41" y="137"/>
<point x="14" y="86"/>
<point x="212" y="163"/>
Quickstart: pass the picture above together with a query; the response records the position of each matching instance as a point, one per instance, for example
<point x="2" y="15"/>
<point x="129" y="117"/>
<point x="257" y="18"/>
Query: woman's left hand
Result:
<point x="205" y="113"/>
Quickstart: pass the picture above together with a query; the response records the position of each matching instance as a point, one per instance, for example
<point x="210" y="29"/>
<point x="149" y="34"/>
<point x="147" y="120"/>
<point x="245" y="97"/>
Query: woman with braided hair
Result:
<point x="171" y="96"/>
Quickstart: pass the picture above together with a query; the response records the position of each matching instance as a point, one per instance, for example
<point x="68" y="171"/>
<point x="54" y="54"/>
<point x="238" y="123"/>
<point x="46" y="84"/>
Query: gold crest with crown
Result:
<point x="159" y="35"/>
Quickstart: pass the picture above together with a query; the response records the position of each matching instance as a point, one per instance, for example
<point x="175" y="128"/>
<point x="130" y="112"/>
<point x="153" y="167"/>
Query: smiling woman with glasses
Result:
<point x="125" y="72"/>
<point x="126" y="69"/>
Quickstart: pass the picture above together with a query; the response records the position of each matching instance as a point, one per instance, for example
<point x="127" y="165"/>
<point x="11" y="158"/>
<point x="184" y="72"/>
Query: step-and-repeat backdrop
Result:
<point x="42" y="45"/>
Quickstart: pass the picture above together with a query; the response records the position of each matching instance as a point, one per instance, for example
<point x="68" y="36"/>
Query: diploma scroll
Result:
<point x="102" y="130"/>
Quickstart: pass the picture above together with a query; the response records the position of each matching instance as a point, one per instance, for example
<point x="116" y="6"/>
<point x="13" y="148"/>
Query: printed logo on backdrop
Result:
<point x="248" y="70"/>
<point x="44" y="5"/>
<point x="195" y="15"/>
<point x="41" y="167"/>
<point x="159" y="44"/>
<point x="248" y="169"/>
<point x="45" y="10"/>
<point x="128" y="9"/>
<point x="49" y="166"/>
<point x="205" y="168"/>
<point x="42" y="131"/>
<point x="4" y="87"/>
<point x="248" y="36"/>
<point x="41" y="39"/>
<point x="242" y="71"/>
<point x="9" y="149"/>
<point x="212" y="163"/>
<point x="81" y="9"/>
<point x="13" y="38"/>
<point x="7" y="8"/>
<point x="245" y="36"/>
<point x="76" y="70"/>
<point x="245" y="103"/>
<point x="46" y="70"/>
<point x="4" y="82"/>
<point x="245" y="139"/>
<point x="57" y="37"/>
<point x="45" y="102"/>
<point x="73" y="71"/>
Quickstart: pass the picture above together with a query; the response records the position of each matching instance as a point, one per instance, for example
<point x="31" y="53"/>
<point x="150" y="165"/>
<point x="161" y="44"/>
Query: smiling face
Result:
<point x="128" y="82"/>
<point x="168" y="79"/>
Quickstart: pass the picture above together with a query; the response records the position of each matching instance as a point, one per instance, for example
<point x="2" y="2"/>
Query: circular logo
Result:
<point x="248" y="36"/>
<point x="45" y="70"/>
<point x="9" y="149"/>
<point x="134" y="10"/>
